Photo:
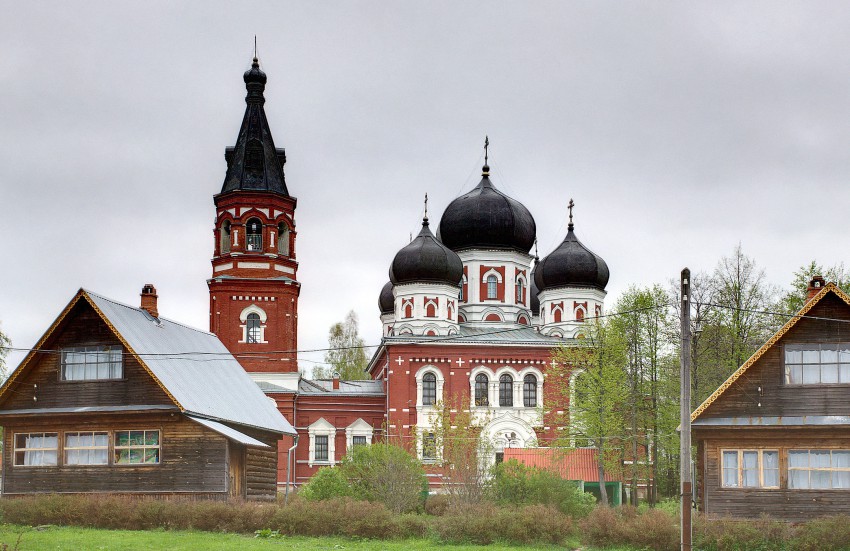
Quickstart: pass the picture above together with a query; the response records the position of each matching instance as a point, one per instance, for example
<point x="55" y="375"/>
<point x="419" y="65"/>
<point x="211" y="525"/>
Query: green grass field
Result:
<point x="67" y="538"/>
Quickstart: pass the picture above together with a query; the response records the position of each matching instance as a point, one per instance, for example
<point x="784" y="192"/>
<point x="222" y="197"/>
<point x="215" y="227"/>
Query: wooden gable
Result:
<point x="37" y="382"/>
<point x="758" y="387"/>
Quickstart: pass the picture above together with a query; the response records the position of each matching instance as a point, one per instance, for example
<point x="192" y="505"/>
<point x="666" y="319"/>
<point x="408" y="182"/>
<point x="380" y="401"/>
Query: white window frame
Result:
<point x="143" y="447"/>
<point x="321" y="427"/>
<point x="810" y="469"/>
<point x="87" y="449"/>
<point x="739" y="467"/>
<point x="440" y="380"/>
<point x="243" y="317"/>
<point x="423" y="434"/>
<point x="358" y="428"/>
<point x="841" y="363"/>
<point x="39" y="451"/>
<point x="94" y="353"/>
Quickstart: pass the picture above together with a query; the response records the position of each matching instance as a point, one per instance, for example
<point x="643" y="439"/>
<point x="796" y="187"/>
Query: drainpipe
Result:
<point x="289" y="463"/>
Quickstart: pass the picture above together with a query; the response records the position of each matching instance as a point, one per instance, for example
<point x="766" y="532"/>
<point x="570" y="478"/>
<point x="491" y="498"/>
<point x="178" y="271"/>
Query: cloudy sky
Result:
<point x="680" y="129"/>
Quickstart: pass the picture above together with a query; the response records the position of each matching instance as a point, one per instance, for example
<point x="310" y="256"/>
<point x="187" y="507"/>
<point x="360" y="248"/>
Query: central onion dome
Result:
<point x="487" y="218"/>
<point x="571" y="265"/>
<point x="426" y="260"/>
<point x="386" y="301"/>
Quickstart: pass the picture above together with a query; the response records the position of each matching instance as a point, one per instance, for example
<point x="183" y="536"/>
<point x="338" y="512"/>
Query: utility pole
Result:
<point x="685" y="413"/>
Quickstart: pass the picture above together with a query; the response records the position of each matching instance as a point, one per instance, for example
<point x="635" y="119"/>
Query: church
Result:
<point x="469" y="314"/>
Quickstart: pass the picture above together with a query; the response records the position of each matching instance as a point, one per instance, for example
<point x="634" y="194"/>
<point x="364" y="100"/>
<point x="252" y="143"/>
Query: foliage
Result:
<point x="596" y="413"/>
<point x="516" y="484"/>
<point x="5" y="345"/>
<point x="385" y="473"/>
<point x="346" y="355"/>
<point x="795" y="297"/>
<point x="653" y="529"/>
<point x="464" y="452"/>
<point x="484" y="523"/>
<point x="327" y="483"/>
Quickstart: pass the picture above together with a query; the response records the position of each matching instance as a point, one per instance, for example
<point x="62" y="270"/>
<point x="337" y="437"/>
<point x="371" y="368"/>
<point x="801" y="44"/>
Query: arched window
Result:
<point x="491" y="286"/>
<point x="253" y="329"/>
<point x="429" y="389"/>
<point x="430" y="310"/>
<point x="557" y="315"/>
<point x="460" y="295"/>
<point x="481" y="384"/>
<point x="506" y="391"/>
<point x="225" y="237"/>
<point x="451" y="312"/>
<point x="254" y="235"/>
<point x="529" y="391"/>
<point x="520" y="292"/>
<point x="408" y="310"/>
<point x="283" y="239"/>
<point x="579" y="314"/>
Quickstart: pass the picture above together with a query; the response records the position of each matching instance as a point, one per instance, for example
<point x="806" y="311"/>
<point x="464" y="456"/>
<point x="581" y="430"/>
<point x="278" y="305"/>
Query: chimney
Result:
<point x="149" y="297"/>
<point x="335" y="380"/>
<point x="815" y="285"/>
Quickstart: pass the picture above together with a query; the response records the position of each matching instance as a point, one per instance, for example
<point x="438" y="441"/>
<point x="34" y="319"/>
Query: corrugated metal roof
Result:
<point x="194" y="366"/>
<point x="325" y="386"/>
<point x="490" y="335"/>
<point x="233" y="434"/>
<point x="773" y="421"/>
<point x="268" y="387"/>
<point x="572" y="464"/>
<point x="89" y="409"/>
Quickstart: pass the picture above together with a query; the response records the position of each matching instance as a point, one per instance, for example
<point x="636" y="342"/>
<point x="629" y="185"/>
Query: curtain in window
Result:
<point x="730" y="469"/>
<point x="770" y="468"/>
<point x="750" y="473"/>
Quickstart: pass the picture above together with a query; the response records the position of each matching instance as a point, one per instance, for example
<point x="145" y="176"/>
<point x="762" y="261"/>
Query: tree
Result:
<point x="597" y="401"/>
<point x="5" y="347"/>
<point x="346" y="355"/>
<point x="795" y="297"/>
<point x="387" y="474"/>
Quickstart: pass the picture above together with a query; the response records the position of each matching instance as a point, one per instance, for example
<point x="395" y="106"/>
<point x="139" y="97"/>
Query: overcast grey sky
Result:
<point x="680" y="129"/>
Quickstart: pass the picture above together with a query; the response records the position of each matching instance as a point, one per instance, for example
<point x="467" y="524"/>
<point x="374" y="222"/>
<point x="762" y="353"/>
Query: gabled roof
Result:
<point x="192" y="367"/>
<point x="828" y="288"/>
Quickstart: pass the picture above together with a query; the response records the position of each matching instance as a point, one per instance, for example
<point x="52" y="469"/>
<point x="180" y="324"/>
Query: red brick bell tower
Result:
<point x="254" y="287"/>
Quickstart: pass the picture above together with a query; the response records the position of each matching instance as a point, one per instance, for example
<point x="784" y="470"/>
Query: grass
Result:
<point x="69" y="538"/>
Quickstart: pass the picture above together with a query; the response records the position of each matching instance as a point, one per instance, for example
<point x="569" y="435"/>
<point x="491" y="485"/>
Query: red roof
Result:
<point x="577" y="464"/>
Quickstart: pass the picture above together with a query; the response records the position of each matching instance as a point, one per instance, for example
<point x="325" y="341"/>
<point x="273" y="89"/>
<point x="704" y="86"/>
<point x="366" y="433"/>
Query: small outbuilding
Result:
<point x="115" y="399"/>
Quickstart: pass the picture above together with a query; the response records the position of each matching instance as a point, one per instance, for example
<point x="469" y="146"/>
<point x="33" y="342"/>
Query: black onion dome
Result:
<point x="386" y="301"/>
<point x="254" y="74"/>
<point x="571" y="264"/>
<point x="426" y="259"/>
<point x="487" y="218"/>
<point x="534" y="300"/>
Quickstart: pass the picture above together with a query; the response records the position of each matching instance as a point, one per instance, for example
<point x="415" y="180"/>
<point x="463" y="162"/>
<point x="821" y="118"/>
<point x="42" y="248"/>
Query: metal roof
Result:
<point x="233" y="434"/>
<point x="193" y="366"/>
<point x="572" y="464"/>
<point x="325" y="386"/>
<point x="90" y="409"/>
<point x="773" y="421"/>
<point x="490" y="335"/>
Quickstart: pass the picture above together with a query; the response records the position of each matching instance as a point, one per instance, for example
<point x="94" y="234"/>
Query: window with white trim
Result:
<point x="36" y="449"/>
<point x="92" y="363"/>
<point x="358" y="433"/>
<point x="750" y="468"/>
<point x="816" y="364"/>
<point x="529" y="391"/>
<point x="321" y="448"/>
<point x="358" y="441"/>
<point x="492" y="287"/>
<point x="429" y="389"/>
<point x="819" y="469"/>
<point x="136" y="447"/>
<point x="253" y="328"/>
<point x="506" y="391"/>
<point x="429" y="447"/>
<point x="86" y="448"/>
<point x="254" y="235"/>
<point x="225" y="237"/>
<point x="520" y="292"/>
<point x="482" y="384"/>
<point x="322" y="442"/>
<point x="283" y="239"/>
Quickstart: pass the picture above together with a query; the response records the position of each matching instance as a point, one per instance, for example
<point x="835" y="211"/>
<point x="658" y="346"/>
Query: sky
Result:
<point x="679" y="129"/>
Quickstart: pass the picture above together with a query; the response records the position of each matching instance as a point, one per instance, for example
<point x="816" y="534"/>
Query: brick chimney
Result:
<point x="335" y="380"/>
<point x="815" y="285"/>
<point x="149" y="297"/>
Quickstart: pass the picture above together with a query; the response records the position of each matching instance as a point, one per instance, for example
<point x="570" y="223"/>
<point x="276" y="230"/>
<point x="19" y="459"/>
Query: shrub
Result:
<point x="762" y="534"/>
<point x="327" y="483"/>
<point x="824" y="534"/>
<point x="653" y="529"/>
<point x="387" y="474"/>
<point x="485" y="523"/>
<point x="516" y="484"/>
<point x="437" y="504"/>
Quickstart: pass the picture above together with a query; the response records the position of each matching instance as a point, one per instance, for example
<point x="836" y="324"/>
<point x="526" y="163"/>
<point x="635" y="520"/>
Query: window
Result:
<point x="520" y="294"/>
<point x="283" y="239"/>
<point x="358" y="441"/>
<point x="813" y="364"/>
<point x="491" y="287"/>
<point x="90" y="363"/>
<point x="253" y="329"/>
<point x="225" y="237"/>
<point x="460" y="295"/>
<point x="86" y="448"/>
<point x="254" y="235"/>
<point x="750" y="468"/>
<point x="429" y="389"/>
<point x="819" y="469"/>
<point x="529" y="391"/>
<point x="506" y="391"/>
<point x="37" y="449"/>
<point x="481" y="384"/>
<point x="430" y="310"/>
<point x="579" y="314"/>
<point x="321" y="447"/>
<point x="136" y="447"/>
<point x="429" y="446"/>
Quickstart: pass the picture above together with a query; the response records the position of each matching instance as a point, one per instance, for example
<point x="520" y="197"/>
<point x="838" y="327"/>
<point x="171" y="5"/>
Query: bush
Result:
<point x="437" y="504"/>
<point x="327" y="483"/>
<point x="742" y="535"/>
<point x="387" y="474"/>
<point x="485" y="523"/>
<point x="653" y="529"/>
<point x="824" y="534"/>
<point x="516" y="484"/>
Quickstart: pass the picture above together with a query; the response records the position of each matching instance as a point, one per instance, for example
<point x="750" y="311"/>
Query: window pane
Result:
<point x="829" y="353"/>
<point x="798" y="479"/>
<point x="841" y="460"/>
<point x="829" y="373"/>
<point x="811" y="356"/>
<point x="770" y="460"/>
<point x="771" y="478"/>
<point x="137" y="438"/>
<point x="122" y="456"/>
<point x="820" y="479"/>
<point x="811" y="374"/>
<point x="819" y="458"/>
<point x="750" y="470"/>
<point x="796" y="374"/>
<point x="152" y="438"/>
<point x="730" y="460"/>
<point x="844" y="373"/>
<point x="844" y="352"/>
<point x="841" y="479"/>
<point x="798" y="459"/>
<point x="793" y="356"/>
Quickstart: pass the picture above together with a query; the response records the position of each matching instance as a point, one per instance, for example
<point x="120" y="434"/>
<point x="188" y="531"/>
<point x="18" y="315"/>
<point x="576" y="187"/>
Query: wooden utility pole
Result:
<point x="685" y="413"/>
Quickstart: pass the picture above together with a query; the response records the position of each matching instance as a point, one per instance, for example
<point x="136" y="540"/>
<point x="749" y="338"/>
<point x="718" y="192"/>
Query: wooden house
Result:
<point x="775" y="437"/>
<point x="116" y="399"/>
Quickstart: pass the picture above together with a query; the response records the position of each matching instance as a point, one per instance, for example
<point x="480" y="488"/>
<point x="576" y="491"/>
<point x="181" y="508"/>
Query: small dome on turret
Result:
<point x="254" y="74"/>
<point x="386" y="300"/>
<point x="571" y="264"/>
<point x="425" y="259"/>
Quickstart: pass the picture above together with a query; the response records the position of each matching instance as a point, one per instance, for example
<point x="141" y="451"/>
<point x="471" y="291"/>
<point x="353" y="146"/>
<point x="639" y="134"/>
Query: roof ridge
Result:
<point x="119" y="303"/>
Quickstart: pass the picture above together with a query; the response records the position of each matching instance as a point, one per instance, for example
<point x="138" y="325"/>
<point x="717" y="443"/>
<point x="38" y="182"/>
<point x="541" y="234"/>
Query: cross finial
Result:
<point x="570" y="206"/>
<point x="535" y="250"/>
<point x="255" y="47"/>
<point x="426" y="207"/>
<point x="486" y="147"/>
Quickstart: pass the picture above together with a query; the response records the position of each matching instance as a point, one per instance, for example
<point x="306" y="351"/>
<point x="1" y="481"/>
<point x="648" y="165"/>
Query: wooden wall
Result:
<point x="82" y="327"/>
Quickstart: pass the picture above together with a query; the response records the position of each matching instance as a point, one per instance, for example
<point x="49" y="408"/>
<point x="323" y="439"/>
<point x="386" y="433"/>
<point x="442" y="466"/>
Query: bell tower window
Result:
<point x="492" y="286"/>
<point x="225" y="237"/>
<point x="283" y="239"/>
<point x="254" y="235"/>
<point x="253" y="328"/>
<point x="253" y="320"/>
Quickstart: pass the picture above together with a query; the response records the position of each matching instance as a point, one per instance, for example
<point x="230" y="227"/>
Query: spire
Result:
<point x="254" y="163"/>
<point x="570" y="206"/>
